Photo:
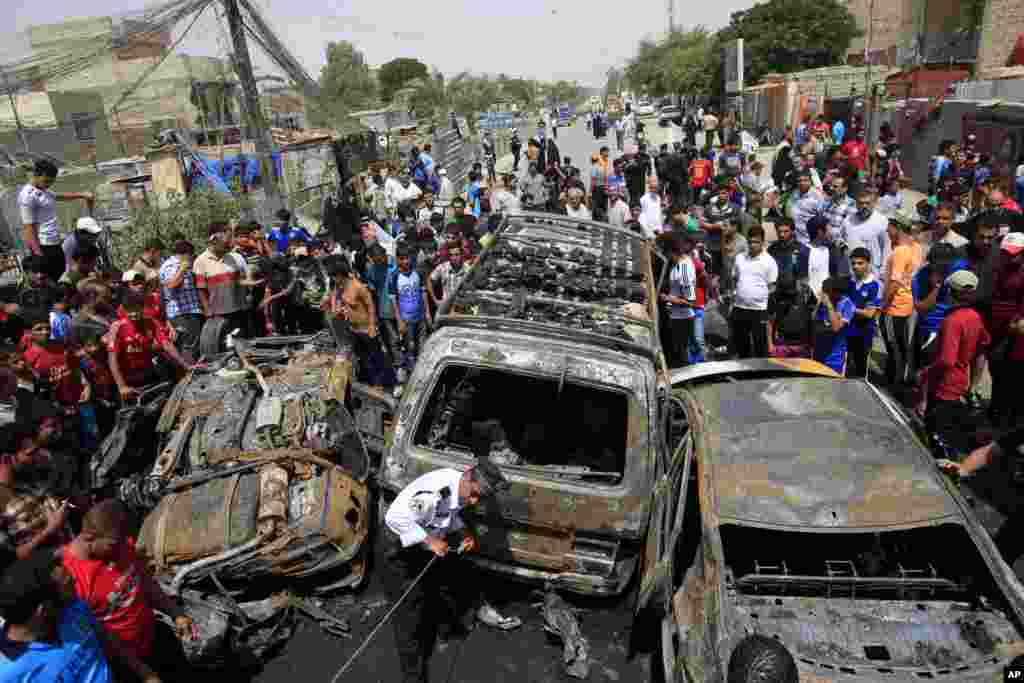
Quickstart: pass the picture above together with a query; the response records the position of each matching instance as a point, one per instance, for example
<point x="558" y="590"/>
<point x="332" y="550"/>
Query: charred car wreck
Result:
<point x="553" y="335"/>
<point x="260" y="473"/>
<point x="811" y="535"/>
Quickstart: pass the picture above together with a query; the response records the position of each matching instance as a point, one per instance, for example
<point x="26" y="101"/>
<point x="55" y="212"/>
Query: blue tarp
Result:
<point x="214" y="174"/>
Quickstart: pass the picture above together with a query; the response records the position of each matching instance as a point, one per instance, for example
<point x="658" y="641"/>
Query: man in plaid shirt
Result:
<point x="181" y="297"/>
<point x="838" y="207"/>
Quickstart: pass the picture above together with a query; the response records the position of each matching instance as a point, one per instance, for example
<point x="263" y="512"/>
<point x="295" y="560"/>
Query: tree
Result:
<point x="676" y="65"/>
<point x="346" y="84"/>
<point x="397" y="73"/>
<point x="783" y="36"/>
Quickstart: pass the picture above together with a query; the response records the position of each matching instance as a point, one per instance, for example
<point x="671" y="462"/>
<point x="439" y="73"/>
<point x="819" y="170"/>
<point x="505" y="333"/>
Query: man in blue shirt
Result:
<point x="49" y="634"/>
<point x="832" y="320"/>
<point x="838" y="132"/>
<point x="283" y="233"/>
<point x="865" y="293"/>
<point x="932" y="299"/>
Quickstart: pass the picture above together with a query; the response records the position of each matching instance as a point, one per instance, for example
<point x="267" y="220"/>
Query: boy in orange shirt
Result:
<point x="898" y="299"/>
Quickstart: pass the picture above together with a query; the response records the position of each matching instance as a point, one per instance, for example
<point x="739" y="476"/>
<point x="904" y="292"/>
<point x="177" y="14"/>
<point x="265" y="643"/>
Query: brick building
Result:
<point x="883" y="22"/>
<point x="1003" y="25"/>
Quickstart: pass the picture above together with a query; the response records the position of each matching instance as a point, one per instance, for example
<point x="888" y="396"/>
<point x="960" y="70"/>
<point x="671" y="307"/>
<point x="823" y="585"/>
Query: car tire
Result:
<point x="211" y="339"/>
<point x="759" y="659"/>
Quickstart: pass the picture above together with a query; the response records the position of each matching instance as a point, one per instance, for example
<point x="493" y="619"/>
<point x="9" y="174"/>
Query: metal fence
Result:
<point x="950" y="47"/>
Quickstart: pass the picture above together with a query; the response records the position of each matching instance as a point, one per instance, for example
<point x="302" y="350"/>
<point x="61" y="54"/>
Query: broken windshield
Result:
<point x="554" y="426"/>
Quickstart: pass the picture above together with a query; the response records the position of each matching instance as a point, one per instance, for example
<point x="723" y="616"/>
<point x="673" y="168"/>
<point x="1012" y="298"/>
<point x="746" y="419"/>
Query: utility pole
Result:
<point x="17" y="119"/>
<point x="264" y="142"/>
<point x="671" y="16"/>
<point x="868" y="95"/>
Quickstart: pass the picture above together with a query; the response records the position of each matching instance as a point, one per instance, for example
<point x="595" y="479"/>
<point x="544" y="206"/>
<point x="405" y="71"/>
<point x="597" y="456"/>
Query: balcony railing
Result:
<point x="955" y="47"/>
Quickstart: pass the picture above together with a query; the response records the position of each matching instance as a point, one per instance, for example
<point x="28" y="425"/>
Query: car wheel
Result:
<point x="211" y="339"/>
<point x="759" y="659"/>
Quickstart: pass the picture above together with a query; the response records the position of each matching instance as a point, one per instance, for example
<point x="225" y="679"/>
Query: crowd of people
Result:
<point x="814" y="257"/>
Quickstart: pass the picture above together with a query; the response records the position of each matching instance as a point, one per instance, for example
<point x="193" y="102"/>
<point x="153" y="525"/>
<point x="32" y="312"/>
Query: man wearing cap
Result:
<point x="1004" y="314"/>
<point x="87" y="232"/>
<point x="423" y="522"/>
<point x="945" y="382"/>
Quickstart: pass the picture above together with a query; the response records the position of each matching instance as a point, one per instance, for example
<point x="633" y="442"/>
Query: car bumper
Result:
<point x="583" y="584"/>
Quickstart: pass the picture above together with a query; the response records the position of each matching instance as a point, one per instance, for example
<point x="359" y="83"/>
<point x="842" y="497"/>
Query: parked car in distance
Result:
<point x="812" y="536"/>
<point x="644" y="109"/>
<point x="670" y="114"/>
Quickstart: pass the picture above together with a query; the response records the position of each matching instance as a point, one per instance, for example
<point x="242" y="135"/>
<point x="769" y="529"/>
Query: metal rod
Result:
<point x="383" y="621"/>
<point x="17" y="119"/>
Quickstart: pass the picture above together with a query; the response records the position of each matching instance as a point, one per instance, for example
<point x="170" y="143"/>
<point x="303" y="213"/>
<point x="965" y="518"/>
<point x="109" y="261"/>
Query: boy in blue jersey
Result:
<point x="865" y="293"/>
<point x="51" y="635"/>
<point x="832" y="322"/>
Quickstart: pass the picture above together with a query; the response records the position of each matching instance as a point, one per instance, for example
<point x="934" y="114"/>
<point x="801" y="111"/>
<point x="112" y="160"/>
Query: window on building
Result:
<point x="85" y="126"/>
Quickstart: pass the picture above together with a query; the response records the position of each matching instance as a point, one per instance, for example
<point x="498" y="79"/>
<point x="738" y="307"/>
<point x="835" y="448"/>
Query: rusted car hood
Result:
<point x="815" y="452"/>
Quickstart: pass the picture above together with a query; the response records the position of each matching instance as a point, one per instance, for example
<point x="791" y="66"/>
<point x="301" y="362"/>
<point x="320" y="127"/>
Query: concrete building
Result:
<point x="84" y="117"/>
<point x="883" y="23"/>
<point x="1003" y="26"/>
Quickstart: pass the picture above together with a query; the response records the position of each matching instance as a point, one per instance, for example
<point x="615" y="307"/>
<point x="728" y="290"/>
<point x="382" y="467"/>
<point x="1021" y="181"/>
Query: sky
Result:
<point x="543" y="39"/>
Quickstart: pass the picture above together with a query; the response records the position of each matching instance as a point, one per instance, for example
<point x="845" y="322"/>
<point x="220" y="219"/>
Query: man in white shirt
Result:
<point x="868" y="228"/>
<point x="942" y="228"/>
<point x="503" y="200"/>
<point x="650" y="210"/>
<point x="425" y="521"/>
<point x="755" y="274"/>
<point x="394" y="193"/>
<point x="575" y="208"/>
<point x="618" y="209"/>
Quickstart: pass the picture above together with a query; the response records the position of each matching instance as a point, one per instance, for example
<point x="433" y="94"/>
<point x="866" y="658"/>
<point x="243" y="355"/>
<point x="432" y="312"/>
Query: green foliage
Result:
<point x="522" y="91"/>
<point x="346" y="85"/>
<point x="190" y="214"/>
<point x="784" y="36"/>
<point x="397" y="73"/>
<point x="678" y="64"/>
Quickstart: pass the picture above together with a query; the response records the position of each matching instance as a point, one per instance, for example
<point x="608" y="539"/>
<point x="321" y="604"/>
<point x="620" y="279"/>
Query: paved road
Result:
<point x="526" y="655"/>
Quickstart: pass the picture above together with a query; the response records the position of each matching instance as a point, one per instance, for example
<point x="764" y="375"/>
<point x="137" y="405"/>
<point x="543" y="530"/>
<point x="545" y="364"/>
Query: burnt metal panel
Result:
<point x="816" y="453"/>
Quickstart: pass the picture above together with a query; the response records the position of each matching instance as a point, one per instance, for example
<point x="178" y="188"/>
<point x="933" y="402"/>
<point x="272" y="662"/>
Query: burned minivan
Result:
<point x="552" y="338"/>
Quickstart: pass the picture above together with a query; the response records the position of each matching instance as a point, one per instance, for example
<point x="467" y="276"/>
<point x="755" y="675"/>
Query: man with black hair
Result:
<point x="51" y="635"/>
<point x="131" y="345"/>
<point x="83" y="262"/>
<point x="148" y="262"/>
<point x="37" y="204"/>
<point x="832" y="319"/>
<point x="425" y="521"/>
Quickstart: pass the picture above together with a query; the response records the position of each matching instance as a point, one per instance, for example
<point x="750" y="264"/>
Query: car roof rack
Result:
<point x="562" y="277"/>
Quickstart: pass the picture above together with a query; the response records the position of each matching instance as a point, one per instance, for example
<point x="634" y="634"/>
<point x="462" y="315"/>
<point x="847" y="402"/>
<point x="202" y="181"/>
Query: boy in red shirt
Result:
<point x="54" y="364"/>
<point x="131" y="344"/>
<point x="112" y="580"/>
<point x="962" y="337"/>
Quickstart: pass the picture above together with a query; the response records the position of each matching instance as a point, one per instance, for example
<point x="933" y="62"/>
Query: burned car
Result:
<point x="810" y="534"/>
<point x="260" y="475"/>
<point x="553" y="335"/>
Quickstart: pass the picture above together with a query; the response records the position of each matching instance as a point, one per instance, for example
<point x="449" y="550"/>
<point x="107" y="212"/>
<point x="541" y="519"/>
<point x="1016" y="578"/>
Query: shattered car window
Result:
<point x="564" y="427"/>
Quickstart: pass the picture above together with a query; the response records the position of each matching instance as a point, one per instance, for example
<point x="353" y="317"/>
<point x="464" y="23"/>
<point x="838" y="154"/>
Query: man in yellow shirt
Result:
<point x="897" y="298"/>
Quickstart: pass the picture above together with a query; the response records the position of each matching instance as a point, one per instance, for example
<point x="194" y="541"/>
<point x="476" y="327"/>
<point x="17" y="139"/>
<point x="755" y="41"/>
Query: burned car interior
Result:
<point x="563" y="274"/>
<point x="564" y="427"/>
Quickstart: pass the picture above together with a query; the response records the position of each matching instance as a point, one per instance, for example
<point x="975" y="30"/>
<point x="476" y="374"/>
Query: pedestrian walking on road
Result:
<point x="517" y="147"/>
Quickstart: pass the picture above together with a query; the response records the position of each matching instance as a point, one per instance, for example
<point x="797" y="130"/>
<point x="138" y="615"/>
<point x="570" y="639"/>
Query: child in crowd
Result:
<point x="833" y="316"/>
<point x="410" y="307"/>
<point x="865" y="293"/>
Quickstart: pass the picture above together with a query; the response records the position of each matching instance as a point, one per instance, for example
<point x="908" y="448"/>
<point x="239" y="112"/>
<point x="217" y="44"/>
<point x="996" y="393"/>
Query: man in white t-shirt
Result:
<point x="868" y="228"/>
<point x="574" y="206"/>
<point x="755" y="274"/>
<point x="41" y="233"/>
<point x="650" y="209"/>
